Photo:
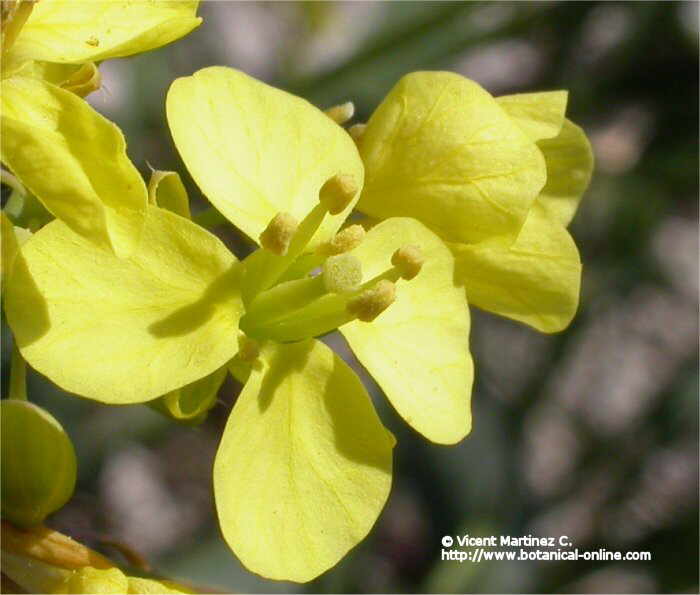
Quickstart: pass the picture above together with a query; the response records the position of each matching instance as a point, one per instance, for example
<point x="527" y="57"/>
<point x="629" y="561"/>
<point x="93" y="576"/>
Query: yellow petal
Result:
<point x="74" y="32"/>
<point x="12" y="238"/>
<point x="84" y="80"/>
<point x="569" y="161"/>
<point x="74" y="161"/>
<point x="418" y="348"/>
<point x="534" y="280"/>
<point x="539" y="115"/>
<point x="81" y="79"/>
<point x="440" y="149"/>
<point x="304" y="466"/>
<point x="126" y="330"/>
<point x="255" y="150"/>
<point x="166" y="190"/>
<point x="149" y="586"/>
<point x="190" y="403"/>
<point x="94" y="580"/>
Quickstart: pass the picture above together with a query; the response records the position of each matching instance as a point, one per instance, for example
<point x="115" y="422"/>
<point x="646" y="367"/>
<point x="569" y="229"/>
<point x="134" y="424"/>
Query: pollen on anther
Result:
<point x="344" y="241"/>
<point x="372" y="302"/>
<point x="279" y="233"/>
<point x="337" y="192"/>
<point x="408" y="260"/>
<point x="341" y="113"/>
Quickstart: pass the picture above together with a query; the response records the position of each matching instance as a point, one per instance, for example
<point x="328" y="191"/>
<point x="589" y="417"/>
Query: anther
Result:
<point x="337" y="193"/>
<point x="342" y="273"/>
<point x="372" y="302"/>
<point x="344" y="241"/>
<point x="341" y="113"/>
<point x="248" y="349"/>
<point x="408" y="260"/>
<point x="357" y="131"/>
<point x="279" y="233"/>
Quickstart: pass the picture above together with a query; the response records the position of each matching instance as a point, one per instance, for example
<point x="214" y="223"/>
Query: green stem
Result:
<point x="18" y="376"/>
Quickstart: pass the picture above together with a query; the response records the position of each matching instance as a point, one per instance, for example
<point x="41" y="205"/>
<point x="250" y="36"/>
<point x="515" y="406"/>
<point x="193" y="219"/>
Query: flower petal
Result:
<point x="96" y="580"/>
<point x="74" y="32"/>
<point x="144" y="586"/>
<point x="440" y="149"/>
<point x="12" y="238"/>
<point x="535" y="279"/>
<point x="304" y="466"/>
<point x="126" y="330"/>
<point x="165" y="189"/>
<point x="569" y="168"/>
<point x="191" y="403"/>
<point x="539" y="115"/>
<point x="255" y="150"/>
<point x="74" y="161"/>
<point x="418" y="348"/>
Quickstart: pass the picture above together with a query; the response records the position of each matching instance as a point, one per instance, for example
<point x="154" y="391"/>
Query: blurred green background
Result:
<point x="591" y="433"/>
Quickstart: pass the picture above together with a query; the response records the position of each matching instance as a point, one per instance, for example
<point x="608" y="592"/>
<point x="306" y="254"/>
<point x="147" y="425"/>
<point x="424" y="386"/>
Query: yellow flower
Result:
<point x="49" y="50"/>
<point x="57" y="39"/>
<point x="498" y="179"/>
<point x="304" y="466"/>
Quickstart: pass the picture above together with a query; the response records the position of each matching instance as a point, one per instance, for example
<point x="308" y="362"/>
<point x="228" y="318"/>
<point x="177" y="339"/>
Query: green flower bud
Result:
<point x="38" y="463"/>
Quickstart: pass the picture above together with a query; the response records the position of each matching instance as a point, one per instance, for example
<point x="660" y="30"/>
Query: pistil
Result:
<point x="304" y="308"/>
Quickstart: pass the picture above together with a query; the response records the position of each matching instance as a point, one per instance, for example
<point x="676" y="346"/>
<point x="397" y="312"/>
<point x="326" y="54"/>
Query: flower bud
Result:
<point x="38" y="463"/>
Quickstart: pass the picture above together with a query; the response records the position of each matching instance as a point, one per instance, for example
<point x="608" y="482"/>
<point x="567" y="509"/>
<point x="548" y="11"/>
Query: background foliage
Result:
<point x="592" y="433"/>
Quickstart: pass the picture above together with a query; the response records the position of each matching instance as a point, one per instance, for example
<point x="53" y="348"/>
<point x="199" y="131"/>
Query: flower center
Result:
<point x="285" y="303"/>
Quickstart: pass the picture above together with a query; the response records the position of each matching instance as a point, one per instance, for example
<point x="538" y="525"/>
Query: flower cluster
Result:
<point x="124" y="299"/>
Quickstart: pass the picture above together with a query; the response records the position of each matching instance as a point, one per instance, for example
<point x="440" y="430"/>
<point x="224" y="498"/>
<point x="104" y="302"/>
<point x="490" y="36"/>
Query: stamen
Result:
<point x="279" y="233"/>
<point x="341" y="113"/>
<point x="372" y="302"/>
<point x="408" y="260"/>
<point x="344" y="241"/>
<point x="264" y="267"/>
<point x="357" y="131"/>
<point x="335" y="195"/>
<point x="342" y="273"/>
